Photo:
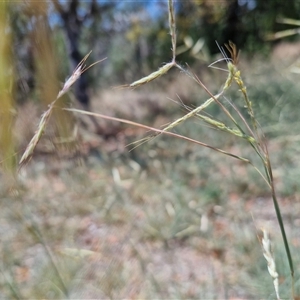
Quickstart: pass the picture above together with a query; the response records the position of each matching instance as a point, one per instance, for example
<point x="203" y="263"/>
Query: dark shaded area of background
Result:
<point x="134" y="35"/>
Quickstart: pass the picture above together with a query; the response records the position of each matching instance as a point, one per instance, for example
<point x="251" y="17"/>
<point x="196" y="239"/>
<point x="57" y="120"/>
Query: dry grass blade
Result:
<point x="158" y="131"/>
<point x="281" y="34"/>
<point x="288" y="21"/>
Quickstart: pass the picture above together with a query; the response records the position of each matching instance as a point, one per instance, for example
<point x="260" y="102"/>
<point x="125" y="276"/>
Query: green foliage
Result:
<point x="145" y="40"/>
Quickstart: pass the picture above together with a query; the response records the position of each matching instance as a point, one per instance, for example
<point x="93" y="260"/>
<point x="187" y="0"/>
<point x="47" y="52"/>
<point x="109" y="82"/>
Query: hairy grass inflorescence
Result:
<point x="252" y="132"/>
<point x="239" y="124"/>
<point x="46" y="115"/>
<point x="267" y="251"/>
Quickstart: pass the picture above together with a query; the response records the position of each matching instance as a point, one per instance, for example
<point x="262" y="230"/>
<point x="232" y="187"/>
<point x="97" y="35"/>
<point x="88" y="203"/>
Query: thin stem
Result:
<point x="241" y="116"/>
<point x="172" y="25"/>
<point x="158" y="131"/>
<point x="281" y="225"/>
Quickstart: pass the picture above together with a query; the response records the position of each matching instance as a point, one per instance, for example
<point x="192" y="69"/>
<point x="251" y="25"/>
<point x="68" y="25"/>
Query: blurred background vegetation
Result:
<point x="134" y="35"/>
<point x="87" y="218"/>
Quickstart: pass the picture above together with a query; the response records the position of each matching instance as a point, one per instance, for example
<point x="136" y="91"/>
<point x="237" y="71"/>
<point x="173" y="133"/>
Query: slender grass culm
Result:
<point x="240" y="125"/>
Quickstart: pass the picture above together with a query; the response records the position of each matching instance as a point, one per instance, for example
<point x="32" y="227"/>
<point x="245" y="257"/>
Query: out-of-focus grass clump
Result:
<point x="7" y="70"/>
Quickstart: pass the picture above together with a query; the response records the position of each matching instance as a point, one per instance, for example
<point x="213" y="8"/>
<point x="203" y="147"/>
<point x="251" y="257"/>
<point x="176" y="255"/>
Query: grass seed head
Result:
<point x="267" y="251"/>
<point x="81" y="68"/>
<point x="161" y="71"/>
